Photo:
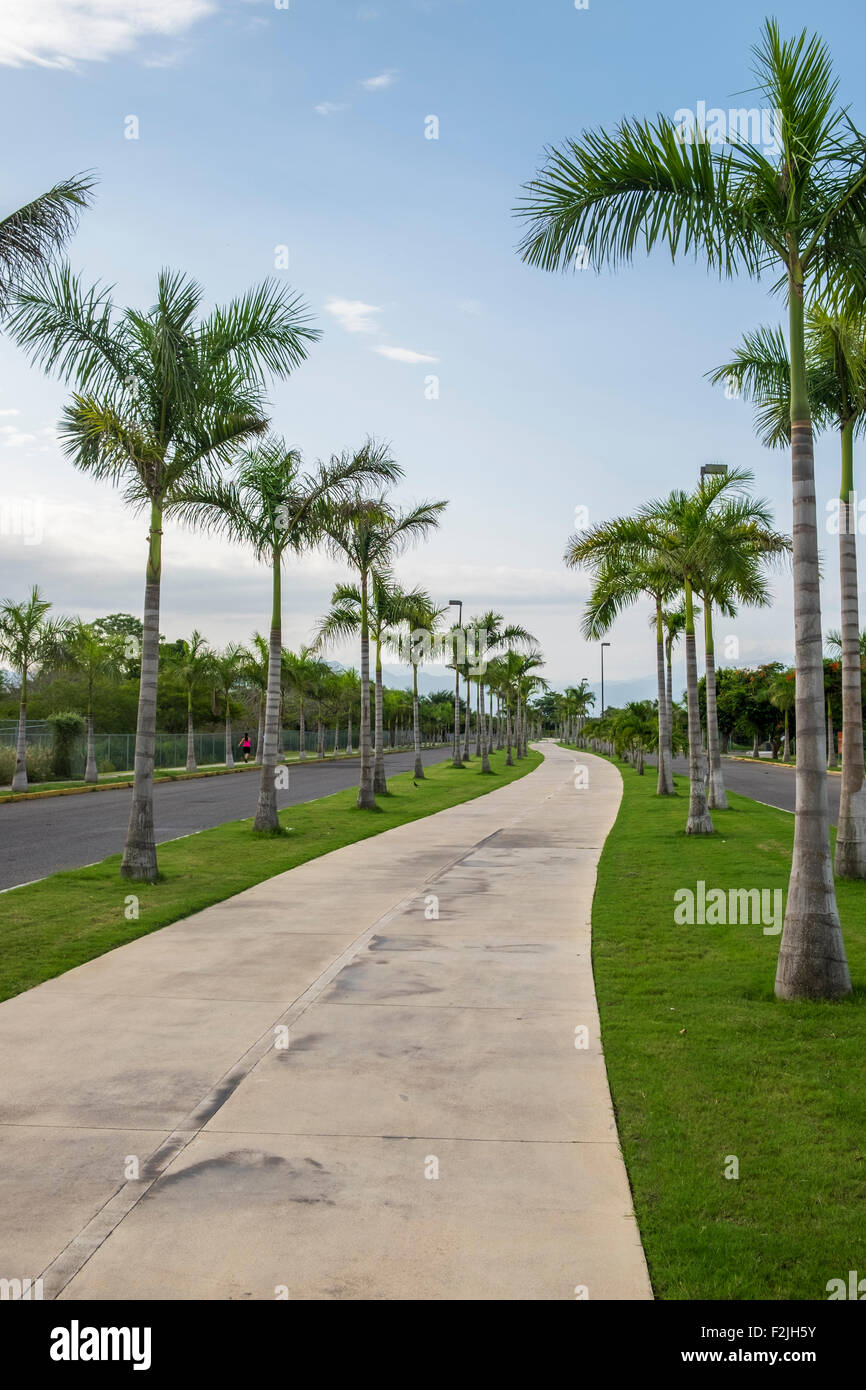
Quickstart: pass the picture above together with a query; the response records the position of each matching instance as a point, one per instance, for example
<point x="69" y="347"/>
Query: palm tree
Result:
<point x="30" y="236"/>
<point x="674" y="624"/>
<point x="228" y="667"/>
<point x="195" y="663"/>
<point x="711" y="540"/>
<point x="278" y="510"/>
<point x="256" y="673"/>
<point x="625" y="569"/>
<point x="740" y="539"/>
<point x="497" y="635"/>
<point x="835" y="365"/>
<point x="416" y="642"/>
<point x="28" y="640"/>
<point x="783" y="696"/>
<point x="802" y="215"/>
<point x="300" y="671"/>
<point x="94" y="656"/>
<point x="163" y="400"/>
<point x="389" y="608"/>
<point x="369" y="535"/>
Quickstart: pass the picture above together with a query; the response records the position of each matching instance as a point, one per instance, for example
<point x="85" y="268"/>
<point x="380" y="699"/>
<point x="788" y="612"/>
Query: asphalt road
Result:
<point x="764" y="782"/>
<point x="43" y="836"/>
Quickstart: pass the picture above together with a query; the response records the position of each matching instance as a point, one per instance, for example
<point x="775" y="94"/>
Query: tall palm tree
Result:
<point x="625" y="569"/>
<point x="492" y="629"/>
<point x="228" y="667"/>
<point x="783" y="696"/>
<point x="279" y="510"/>
<point x="835" y="363"/>
<point x="301" y="672"/>
<point x="30" y="236"/>
<point x="164" y="399"/>
<point x="710" y="539"/>
<point x="195" y="664"/>
<point x="674" y="625"/>
<point x="29" y="639"/>
<point x="800" y="214"/>
<point x="369" y="535"/>
<point x="416" y="641"/>
<point x="389" y="608"/>
<point x="256" y="673"/>
<point x="94" y="656"/>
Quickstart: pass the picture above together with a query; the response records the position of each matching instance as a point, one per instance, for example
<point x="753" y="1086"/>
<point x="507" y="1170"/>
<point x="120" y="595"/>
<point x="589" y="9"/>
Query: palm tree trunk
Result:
<point x="349" y="733"/>
<point x="482" y="724"/>
<point x="509" y="760"/>
<point x="669" y="691"/>
<point x="336" y="736"/>
<point x="699" y="821"/>
<point x="380" y="786"/>
<point x="456" y="760"/>
<point x="416" y="723"/>
<point x="91" y="773"/>
<point x="717" y="799"/>
<point x="850" y="860"/>
<point x="366" y="796"/>
<point x="786" y="747"/>
<point x="478" y="731"/>
<point x="139" y="854"/>
<point x="831" y="740"/>
<point x="812" y="962"/>
<point x="260" y="732"/>
<point x="320" y="737"/>
<point x="19" y="780"/>
<point x="466" y="736"/>
<point x="302" y="728"/>
<point x="266" y="807"/>
<point x="230" y="753"/>
<point x="190" y="734"/>
<point x="665" y="784"/>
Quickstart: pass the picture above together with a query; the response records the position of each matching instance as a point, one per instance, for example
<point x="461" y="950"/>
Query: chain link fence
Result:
<point x="116" y="752"/>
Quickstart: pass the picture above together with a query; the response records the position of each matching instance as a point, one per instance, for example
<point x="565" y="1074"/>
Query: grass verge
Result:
<point x="705" y="1064"/>
<point x="71" y="917"/>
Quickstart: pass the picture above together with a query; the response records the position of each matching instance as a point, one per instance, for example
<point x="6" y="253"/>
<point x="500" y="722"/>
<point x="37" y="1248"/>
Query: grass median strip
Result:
<point x="711" y="1075"/>
<point x="71" y="917"/>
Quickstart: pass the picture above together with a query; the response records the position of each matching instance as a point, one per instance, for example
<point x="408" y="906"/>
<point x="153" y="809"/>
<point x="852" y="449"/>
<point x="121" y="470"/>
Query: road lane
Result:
<point x="48" y="834"/>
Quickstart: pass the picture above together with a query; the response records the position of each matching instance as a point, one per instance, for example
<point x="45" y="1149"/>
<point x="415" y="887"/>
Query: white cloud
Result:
<point x="354" y="315"/>
<point x="59" y="33"/>
<point x="397" y="354"/>
<point x="10" y="412"/>
<point x="13" y="437"/>
<point x="378" y="84"/>
<point x="326" y="108"/>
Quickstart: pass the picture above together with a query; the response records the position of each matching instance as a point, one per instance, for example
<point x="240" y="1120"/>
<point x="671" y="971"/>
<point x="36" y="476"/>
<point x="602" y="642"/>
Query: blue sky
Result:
<point x="261" y="127"/>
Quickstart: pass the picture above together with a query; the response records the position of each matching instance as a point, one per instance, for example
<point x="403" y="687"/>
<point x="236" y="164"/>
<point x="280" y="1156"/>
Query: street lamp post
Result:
<point x="456" y="759"/>
<point x="603" y="645"/>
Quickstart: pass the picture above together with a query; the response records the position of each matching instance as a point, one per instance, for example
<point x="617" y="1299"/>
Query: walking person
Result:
<point x="245" y="747"/>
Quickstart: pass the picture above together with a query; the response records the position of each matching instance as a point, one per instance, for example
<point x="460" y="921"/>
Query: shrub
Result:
<point x="39" y="763"/>
<point x="67" y="727"/>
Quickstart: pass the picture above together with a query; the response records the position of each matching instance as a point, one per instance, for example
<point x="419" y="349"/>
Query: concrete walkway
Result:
<point x="358" y="1080"/>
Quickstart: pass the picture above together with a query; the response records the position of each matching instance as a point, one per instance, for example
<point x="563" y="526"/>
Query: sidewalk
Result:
<point x="430" y="1131"/>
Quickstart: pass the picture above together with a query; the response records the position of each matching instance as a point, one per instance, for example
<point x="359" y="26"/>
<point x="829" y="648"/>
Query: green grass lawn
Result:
<point x="704" y="1062"/>
<point x="70" y="917"/>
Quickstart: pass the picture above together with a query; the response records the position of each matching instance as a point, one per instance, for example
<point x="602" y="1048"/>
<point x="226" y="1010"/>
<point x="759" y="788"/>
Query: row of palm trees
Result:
<point x="799" y="216"/>
<point x="32" y="643"/>
<point x="707" y="547"/>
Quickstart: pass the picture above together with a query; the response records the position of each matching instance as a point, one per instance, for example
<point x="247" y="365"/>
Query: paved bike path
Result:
<point x="357" y="1080"/>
